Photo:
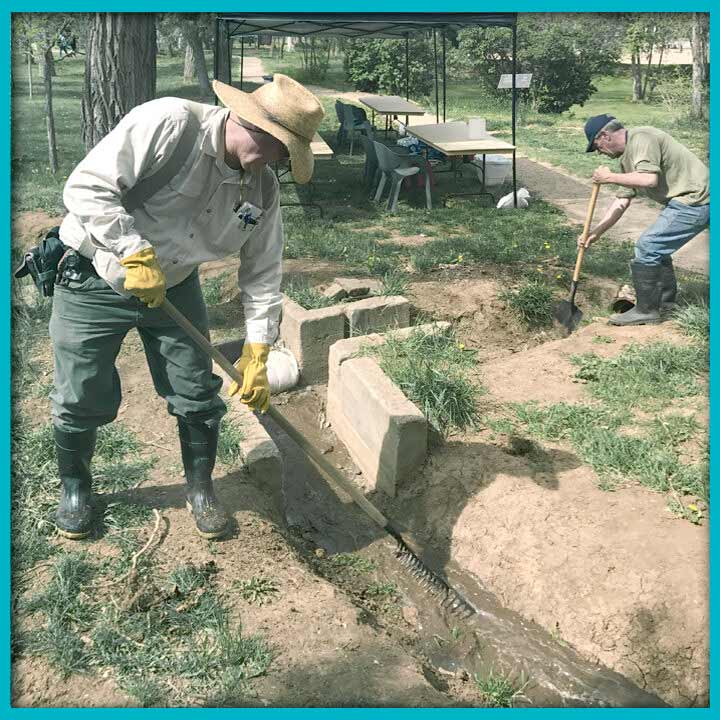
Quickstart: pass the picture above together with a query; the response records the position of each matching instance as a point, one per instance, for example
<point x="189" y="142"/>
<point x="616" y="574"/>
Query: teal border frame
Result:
<point x="419" y="6"/>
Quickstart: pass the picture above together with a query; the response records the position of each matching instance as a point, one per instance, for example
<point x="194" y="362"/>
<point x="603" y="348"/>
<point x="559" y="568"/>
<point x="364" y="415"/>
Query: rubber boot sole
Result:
<point x="73" y="535"/>
<point x="206" y="535"/>
<point x="654" y="321"/>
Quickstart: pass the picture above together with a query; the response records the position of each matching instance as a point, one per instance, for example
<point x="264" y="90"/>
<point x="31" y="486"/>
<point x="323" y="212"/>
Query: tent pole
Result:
<point x="229" y="52"/>
<point x="514" y="104"/>
<point x="437" y="98"/>
<point x="407" y="66"/>
<point x="444" y="74"/>
<point x="216" y="58"/>
<point x="242" y="60"/>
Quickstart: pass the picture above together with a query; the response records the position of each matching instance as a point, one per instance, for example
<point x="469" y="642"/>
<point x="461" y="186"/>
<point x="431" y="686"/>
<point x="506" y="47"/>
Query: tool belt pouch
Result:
<point x="41" y="262"/>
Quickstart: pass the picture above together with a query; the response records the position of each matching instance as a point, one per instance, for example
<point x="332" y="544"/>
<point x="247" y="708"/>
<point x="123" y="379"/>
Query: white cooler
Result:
<point x="497" y="168"/>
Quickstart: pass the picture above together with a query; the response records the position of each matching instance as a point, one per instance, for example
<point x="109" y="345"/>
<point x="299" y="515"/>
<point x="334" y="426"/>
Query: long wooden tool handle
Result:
<point x="310" y="451"/>
<point x="586" y="230"/>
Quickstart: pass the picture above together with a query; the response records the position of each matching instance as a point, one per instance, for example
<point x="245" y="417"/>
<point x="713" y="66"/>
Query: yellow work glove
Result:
<point x="255" y="389"/>
<point x="144" y="278"/>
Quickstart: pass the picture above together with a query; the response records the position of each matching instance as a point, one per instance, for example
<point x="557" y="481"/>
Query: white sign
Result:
<point x="522" y="80"/>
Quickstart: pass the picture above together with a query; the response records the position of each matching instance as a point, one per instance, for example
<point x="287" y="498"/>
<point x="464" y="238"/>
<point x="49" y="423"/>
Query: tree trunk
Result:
<point x="191" y="32"/>
<point x="30" y="88"/>
<point x="636" y="70"/>
<point x="47" y="62"/>
<point x="189" y="69"/>
<point x="50" y="118"/>
<point x="697" y="110"/>
<point x="120" y="70"/>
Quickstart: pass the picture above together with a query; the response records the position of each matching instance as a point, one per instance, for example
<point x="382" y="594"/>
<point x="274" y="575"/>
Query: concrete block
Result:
<point x="335" y="292"/>
<point x="308" y="334"/>
<point x="385" y="434"/>
<point x="376" y="314"/>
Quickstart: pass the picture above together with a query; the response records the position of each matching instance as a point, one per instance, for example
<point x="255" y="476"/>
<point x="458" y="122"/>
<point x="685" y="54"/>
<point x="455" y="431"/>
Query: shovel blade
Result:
<point x="568" y="314"/>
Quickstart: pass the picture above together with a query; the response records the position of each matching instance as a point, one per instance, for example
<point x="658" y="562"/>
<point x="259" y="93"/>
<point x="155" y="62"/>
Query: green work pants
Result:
<point x="88" y="324"/>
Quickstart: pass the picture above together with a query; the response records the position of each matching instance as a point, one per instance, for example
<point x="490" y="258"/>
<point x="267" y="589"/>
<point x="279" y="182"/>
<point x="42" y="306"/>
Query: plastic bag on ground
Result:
<point x="507" y="201"/>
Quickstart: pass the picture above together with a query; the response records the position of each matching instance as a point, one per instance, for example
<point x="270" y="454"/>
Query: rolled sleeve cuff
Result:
<point x="645" y="166"/>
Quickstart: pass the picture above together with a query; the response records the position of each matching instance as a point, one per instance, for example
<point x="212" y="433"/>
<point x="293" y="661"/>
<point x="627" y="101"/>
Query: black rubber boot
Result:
<point x="198" y="444"/>
<point x="646" y="279"/>
<point x="668" y="284"/>
<point x="75" y="515"/>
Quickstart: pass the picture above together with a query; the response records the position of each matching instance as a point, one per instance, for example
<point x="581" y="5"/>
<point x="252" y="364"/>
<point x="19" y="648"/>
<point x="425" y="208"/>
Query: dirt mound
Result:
<point x="29" y="227"/>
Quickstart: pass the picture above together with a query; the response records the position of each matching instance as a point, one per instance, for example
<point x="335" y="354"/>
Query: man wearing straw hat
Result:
<point x="175" y="184"/>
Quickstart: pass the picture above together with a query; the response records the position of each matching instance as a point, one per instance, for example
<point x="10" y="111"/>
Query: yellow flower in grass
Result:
<point x="461" y="346"/>
<point x="558" y="276"/>
<point x="547" y="246"/>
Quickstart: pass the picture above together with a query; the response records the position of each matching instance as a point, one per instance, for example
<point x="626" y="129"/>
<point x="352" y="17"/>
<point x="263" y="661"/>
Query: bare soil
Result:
<point x="613" y="574"/>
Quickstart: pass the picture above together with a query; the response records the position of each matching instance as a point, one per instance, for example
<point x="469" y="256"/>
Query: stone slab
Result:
<point x="377" y="314"/>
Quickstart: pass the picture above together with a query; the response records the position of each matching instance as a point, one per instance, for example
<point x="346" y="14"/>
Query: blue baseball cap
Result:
<point x="593" y="126"/>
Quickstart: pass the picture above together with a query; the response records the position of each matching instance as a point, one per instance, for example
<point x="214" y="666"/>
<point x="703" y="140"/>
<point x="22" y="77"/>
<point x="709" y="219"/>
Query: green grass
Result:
<point x="497" y="689"/>
<point x="212" y="288"/>
<point x="694" y="321"/>
<point x="431" y="370"/>
<point x="353" y="563"/>
<point x="394" y="283"/>
<point x="532" y="302"/>
<point x="257" y="590"/>
<point x="229" y="450"/>
<point x="599" y="435"/>
<point x="644" y="376"/>
<point x="305" y="296"/>
<point x="170" y="644"/>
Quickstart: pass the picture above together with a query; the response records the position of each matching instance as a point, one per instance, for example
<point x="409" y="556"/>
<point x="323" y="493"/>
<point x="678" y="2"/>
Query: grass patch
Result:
<point x="644" y="376"/>
<point x="306" y="296"/>
<point x="353" y="563"/>
<point x="694" y="321"/>
<point x="497" y="689"/>
<point x="394" y="283"/>
<point x="257" y="590"/>
<point x="431" y="369"/>
<point x="532" y="302"/>
<point x="212" y="289"/>
<point x="596" y="434"/>
<point x="169" y="643"/>
<point x="229" y="450"/>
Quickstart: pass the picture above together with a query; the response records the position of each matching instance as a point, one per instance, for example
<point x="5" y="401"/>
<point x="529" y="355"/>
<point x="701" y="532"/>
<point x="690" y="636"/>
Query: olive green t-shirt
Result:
<point x="682" y="176"/>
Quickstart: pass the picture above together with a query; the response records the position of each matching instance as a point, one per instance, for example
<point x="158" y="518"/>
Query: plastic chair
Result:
<point x="371" y="171"/>
<point x="340" y="112"/>
<point x="396" y="168"/>
<point x="355" y="120"/>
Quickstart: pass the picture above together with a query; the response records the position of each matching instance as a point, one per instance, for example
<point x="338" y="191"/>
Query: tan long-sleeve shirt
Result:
<point x="187" y="222"/>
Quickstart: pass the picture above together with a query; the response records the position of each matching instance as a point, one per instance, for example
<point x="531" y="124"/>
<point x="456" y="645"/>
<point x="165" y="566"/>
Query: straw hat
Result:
<point x="286" y="110"/>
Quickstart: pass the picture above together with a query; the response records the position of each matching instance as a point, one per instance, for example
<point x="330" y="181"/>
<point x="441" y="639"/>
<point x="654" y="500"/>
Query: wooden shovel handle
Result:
<point x="586" y="230"/>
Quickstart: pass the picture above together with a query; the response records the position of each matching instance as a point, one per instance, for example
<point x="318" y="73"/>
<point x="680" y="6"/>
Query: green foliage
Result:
<point x="431" y="369"/>
<point x="170" y="643"/>
<point x="305" y="296"/>
<point x="257" y="590"/>
<point x="694" y="321"/>
<point x="229" y="450"/>
<point x="644" y="376"/>
<point x="562" y="56"/>
<point x="378" y="66"/>
<point x="532" y="302"/>
<point x="498" y="689"/>
<point x="353" y="563"/>
<point x="394" y="283"/>
<point x="212" y="289"/>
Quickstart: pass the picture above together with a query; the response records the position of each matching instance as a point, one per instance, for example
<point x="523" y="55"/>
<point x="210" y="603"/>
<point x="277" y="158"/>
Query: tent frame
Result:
<point x="228" y="26"/>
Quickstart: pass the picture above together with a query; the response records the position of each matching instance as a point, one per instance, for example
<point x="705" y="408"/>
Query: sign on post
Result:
<point x="522" y="80"/>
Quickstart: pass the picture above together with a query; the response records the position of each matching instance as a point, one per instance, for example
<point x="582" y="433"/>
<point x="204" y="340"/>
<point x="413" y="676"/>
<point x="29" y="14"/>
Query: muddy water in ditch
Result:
<point x="493" y="639"/>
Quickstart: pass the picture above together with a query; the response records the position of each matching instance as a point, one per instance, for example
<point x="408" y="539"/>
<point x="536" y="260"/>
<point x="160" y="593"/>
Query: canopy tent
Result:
<point x="357" y="25"/>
